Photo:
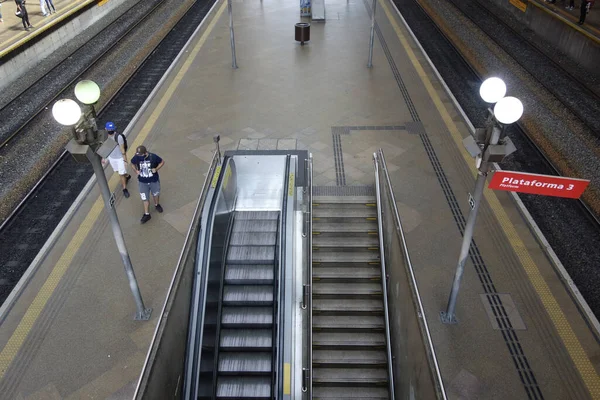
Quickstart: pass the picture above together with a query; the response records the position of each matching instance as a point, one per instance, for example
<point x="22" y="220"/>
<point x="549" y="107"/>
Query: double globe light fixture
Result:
<point x="507" y="110"/>
<point x="67" y="112"/>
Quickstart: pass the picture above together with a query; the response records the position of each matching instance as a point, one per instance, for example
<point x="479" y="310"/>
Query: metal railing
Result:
<point x="307" y="287"/>
<point x="384" y="279"/>
<point x="419" y="314"/>
<point x="163" y="352"/>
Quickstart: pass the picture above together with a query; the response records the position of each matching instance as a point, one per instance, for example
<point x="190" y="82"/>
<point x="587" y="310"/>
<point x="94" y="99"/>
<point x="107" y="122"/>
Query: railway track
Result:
<point x="564" y="222"/>
<point x="30" y="225"/>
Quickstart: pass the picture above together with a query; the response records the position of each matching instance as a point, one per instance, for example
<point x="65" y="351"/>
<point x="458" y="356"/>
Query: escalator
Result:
<point x="246" y="328"/>
<point x="350" y="347"/>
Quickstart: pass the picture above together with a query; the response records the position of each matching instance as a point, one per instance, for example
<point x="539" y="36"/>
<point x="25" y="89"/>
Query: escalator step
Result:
<point x="247" y="317"/>
<point x="248" y="274"/>
<point x="251" y="295"/>
<point x="253" y="239"/>
<point x="242" y="363"/>
<point x="249" y="387"/>
<point x="250" y="254"/>
<point x="246" y="215"/>
<point x="246" y="339"/>
<point x="254" y="226"/>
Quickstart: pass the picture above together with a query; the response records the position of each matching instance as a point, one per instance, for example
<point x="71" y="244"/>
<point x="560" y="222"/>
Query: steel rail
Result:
<point x="413" y="281"/>
<point x="384" y="280"/>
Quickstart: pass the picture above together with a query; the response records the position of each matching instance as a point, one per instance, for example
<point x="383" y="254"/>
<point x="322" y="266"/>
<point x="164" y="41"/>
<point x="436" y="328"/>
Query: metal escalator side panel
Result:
<point x="209" y="249"/>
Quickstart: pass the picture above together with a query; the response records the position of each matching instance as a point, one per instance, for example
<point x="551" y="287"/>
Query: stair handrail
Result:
<point x="307" y="286"/>
<point x="384" y="279"/>
<point x="379" y="156"/>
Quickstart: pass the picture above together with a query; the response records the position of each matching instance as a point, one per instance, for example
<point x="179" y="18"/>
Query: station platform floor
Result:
<point x="12" y="34"/>
<point x="70" y="333"/>
<point x="591" y="25"/>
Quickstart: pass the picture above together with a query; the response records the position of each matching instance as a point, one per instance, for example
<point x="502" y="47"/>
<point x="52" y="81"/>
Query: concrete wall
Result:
<point x="18" y="63"/>
<point x="577" y="45"/>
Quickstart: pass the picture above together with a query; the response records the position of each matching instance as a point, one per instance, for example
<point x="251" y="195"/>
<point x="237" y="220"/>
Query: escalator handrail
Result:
<point x="194" y="224"/>
<point x="202" y="280"/>
<point x="279" y="307"/>
<point x="384" y="279"/>
<point x="429" y="343"/>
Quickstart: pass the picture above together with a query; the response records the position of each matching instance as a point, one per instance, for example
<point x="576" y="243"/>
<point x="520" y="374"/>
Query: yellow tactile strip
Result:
<point x="564" y="329"/>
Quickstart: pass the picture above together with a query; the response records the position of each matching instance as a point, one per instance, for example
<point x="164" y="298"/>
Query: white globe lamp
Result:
<point x="508" y="110"/>
<point x="66" y="112"/>
<point x="87" y="92"/>
<point x="492" y="90"/>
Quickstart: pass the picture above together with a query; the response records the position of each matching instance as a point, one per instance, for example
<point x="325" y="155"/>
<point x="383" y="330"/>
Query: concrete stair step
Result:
<point x="363" y="242"/>
<point x="344" y="200"/>
<point x="350" y="376"/>
<point x="349" y="340"/>
<point x="324" y="227"/>
<point x="350" y="358"/>
<point x="328" y="256"/>
<point x="347" y="392"/>
<point x="350" y="323"/>
<point x="347" y="306"/>
<point x="346" y="274"/>
<point x="346" y="290"/>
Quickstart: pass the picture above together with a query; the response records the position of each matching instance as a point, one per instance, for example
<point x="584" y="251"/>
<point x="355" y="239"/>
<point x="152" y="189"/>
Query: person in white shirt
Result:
<point x="118" y="157"/>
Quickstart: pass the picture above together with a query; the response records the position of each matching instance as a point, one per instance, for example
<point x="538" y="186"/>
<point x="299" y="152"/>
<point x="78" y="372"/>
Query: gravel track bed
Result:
<point x="571" y="232"/>
<point x="24" y="235"/>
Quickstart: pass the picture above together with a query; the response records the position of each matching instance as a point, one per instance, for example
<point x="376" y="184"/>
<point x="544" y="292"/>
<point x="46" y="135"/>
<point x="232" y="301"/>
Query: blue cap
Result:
<point x="110" y="126"/>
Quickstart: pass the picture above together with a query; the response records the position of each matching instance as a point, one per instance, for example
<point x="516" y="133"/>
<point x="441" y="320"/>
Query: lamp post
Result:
<point x="88" y="143"/>
<point x="489" y="145"/>
<point x="372" y="37"/>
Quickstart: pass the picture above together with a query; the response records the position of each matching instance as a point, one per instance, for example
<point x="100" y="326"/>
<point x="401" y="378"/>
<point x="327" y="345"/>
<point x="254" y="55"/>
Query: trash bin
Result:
<point x="302" y="32"/>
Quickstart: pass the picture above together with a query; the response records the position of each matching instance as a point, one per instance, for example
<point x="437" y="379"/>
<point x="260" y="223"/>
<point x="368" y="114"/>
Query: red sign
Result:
<point x="546" y="185"/>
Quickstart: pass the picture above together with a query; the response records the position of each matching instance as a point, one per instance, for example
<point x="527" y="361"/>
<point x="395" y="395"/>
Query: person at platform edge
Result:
<point x="146" y="166"/>
<point x="118" y="157"/>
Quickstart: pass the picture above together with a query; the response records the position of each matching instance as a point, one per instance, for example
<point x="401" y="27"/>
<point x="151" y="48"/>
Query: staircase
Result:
<point x="349" y="344"/>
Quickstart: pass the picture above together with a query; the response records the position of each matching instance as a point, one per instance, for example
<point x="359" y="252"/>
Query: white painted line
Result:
<point x="583" y="305"/>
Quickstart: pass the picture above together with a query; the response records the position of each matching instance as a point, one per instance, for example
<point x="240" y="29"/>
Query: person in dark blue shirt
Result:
<point x="146" y="166"/>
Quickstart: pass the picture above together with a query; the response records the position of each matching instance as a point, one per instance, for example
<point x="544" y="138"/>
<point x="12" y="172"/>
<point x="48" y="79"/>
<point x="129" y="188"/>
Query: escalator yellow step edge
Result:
<point x="371" y="218"/>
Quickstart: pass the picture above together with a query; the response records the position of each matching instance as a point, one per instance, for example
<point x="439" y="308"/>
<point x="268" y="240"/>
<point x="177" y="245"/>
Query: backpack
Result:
<point x="124" y="140"/>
